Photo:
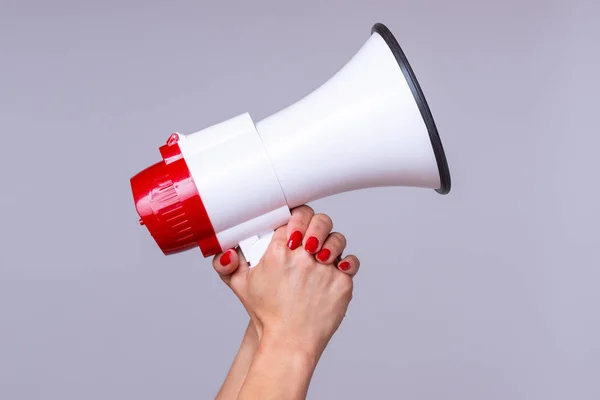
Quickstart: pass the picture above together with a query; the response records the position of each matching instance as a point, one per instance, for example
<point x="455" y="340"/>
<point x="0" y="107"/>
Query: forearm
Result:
<point x="279" y="370"/>
<point x="240" y="366"/>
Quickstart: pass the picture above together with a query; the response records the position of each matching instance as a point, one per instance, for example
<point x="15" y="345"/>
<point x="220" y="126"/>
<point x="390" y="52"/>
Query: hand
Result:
<point x="311" y="281"/>
<point x="288" y="276"/>
<point x="297" y="297"/>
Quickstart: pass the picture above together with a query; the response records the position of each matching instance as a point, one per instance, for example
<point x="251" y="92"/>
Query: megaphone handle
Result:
<point x="255" y="247"/>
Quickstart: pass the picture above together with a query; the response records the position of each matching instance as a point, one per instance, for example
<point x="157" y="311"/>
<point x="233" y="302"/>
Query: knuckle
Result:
<point x="308" y="209"/>
<point x="301" y="217"/>
<point x="306" y="258"/>
<point x="306" y="261"/>
<point x="305" y="210"/>
<point x="339" y="239"/>
<point x="345" y="282"/>
<point x="323" y="220"/>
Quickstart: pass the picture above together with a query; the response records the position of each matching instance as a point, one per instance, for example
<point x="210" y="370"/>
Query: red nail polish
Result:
<point x="323" y="255"/>
<point x="344" y="266"/>
<point x="295" y="240"/>
<point x="312" y="244"/>
<point x="225" y="258"/>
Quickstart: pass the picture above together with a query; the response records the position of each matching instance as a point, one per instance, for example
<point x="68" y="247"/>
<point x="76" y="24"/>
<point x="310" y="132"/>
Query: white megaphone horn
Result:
<point x="368" y="126"/>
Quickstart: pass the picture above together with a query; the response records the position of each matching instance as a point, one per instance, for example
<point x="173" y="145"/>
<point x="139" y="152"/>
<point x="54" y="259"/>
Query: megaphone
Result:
<point x="232" y="184"/>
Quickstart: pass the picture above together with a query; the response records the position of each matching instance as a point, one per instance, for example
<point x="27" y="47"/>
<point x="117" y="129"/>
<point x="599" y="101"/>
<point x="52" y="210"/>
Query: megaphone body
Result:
<point x="235" y="182"/>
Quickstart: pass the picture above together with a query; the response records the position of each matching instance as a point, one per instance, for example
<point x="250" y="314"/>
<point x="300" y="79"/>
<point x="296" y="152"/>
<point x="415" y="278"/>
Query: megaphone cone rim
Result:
<point x="436" y="142"/>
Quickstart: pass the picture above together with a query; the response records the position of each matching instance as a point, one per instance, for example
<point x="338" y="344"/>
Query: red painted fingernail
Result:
<point x="295" y="240"/>
<point x="311" y="244"/>
<point x="323" y="255"/>
<point x="225" y="258"/>
<point x="344" y="266"/>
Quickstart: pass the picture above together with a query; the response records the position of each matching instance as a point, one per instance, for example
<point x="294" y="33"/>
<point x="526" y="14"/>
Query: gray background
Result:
<point x="490" y="292"/>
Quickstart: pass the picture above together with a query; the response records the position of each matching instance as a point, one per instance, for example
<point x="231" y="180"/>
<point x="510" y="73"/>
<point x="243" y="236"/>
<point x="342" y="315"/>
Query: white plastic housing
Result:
<point x="236" y="182"/>
<point x="360" y="129"/>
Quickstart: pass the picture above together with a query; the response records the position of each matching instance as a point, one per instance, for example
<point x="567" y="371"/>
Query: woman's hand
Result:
<point x="288" y="277"/>
<point x="296" y="297"/>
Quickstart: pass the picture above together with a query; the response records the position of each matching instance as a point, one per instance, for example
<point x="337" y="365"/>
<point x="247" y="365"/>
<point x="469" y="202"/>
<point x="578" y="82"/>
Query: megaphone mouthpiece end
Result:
<point x="409" y="75"/>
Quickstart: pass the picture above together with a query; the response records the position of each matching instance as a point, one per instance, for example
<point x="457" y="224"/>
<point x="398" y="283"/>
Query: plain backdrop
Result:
<point x="490" y="292"/>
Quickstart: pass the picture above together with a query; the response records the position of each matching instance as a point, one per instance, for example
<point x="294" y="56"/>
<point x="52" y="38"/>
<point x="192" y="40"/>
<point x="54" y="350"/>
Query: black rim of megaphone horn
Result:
<point x="434" y="136"/>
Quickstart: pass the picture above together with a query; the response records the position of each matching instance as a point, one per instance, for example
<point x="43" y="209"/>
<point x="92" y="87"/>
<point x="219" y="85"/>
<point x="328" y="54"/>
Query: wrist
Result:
<point x="295" y="349"/>
<point x="251" y="336"/>
<point x="281" y="368"/>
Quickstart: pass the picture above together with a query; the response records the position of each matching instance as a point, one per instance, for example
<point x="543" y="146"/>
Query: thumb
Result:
<point x="225" y="264"/>
<point x="243" y="265"/>
<point x="228" y="263"/>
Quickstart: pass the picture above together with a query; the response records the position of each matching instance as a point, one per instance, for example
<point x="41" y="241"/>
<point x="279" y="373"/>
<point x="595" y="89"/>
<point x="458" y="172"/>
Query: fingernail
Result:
<point x="225" y="258"/>
<point x="311" y="244"/>
<point x="344" y="266"/>
<point x="295" y="240"/>
<point x="323" y="255"/>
